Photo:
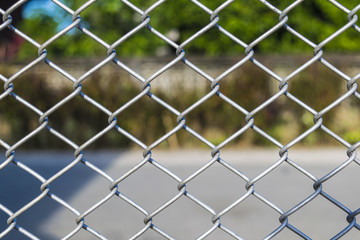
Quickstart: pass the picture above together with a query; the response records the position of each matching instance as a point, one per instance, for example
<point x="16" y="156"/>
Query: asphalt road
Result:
<point x="149" y="187"/>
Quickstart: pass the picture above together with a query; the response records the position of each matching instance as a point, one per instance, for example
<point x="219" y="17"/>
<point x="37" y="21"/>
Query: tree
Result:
<point x="112" y="19"/>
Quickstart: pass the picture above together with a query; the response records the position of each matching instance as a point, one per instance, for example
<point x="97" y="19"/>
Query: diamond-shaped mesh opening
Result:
<point x="348" y="177"/>
<point x="248" y="86"/>
<point x="190" y="24"/>
<point x="174" y="219"/>
<point x="31" y="186"/>
<point x="32" y="219"/>
<point x="239" y="9"/>
<point x="110" y="90"/>
<point x="205" y="120"/>
<point x="330" y="220"/>
<point x="158" y="124"/>
<point x="201" y="187"/>
<point x="292" y="185"/>
<point x="313" y="82"/>
<point x="73" y="180"/>
<point x="88" y="125"/>
<point x="156" y="46"/>
<point x="240" y="219"/>
<point x="163" y="185"/>
<point x="59" y="222"/>
<point x="42" y="82"/>
<point x="128" y="219"/>
<point x="23" y="120"/>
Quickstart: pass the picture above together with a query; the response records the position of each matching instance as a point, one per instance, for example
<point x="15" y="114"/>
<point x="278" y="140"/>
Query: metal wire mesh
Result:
<point x="181" y="117"/>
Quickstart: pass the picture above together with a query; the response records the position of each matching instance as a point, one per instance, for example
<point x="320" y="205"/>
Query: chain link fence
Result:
<point x="215" y="151"/>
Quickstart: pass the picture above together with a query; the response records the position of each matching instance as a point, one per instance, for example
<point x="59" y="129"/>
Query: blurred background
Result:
<point x="180" y="86"/>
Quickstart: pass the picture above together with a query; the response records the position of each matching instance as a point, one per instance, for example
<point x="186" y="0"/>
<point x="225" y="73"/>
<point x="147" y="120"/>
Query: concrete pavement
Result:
<point x="150" y="187"/>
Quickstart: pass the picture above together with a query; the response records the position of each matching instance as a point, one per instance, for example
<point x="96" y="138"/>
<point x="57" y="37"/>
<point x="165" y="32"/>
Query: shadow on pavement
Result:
<point x="17" y="187"/>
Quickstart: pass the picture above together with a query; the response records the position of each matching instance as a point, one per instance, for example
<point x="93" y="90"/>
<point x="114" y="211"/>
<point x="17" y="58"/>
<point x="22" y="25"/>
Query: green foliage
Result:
<point x="214" y="119"/>
<point x="112" y="19"/>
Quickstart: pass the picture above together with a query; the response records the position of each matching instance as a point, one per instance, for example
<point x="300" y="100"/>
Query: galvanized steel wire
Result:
<point x="181" y="117"/>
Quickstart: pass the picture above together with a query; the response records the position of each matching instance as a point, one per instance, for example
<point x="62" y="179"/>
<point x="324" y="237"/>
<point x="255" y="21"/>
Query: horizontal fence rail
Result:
<point x="11" y="217"/>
